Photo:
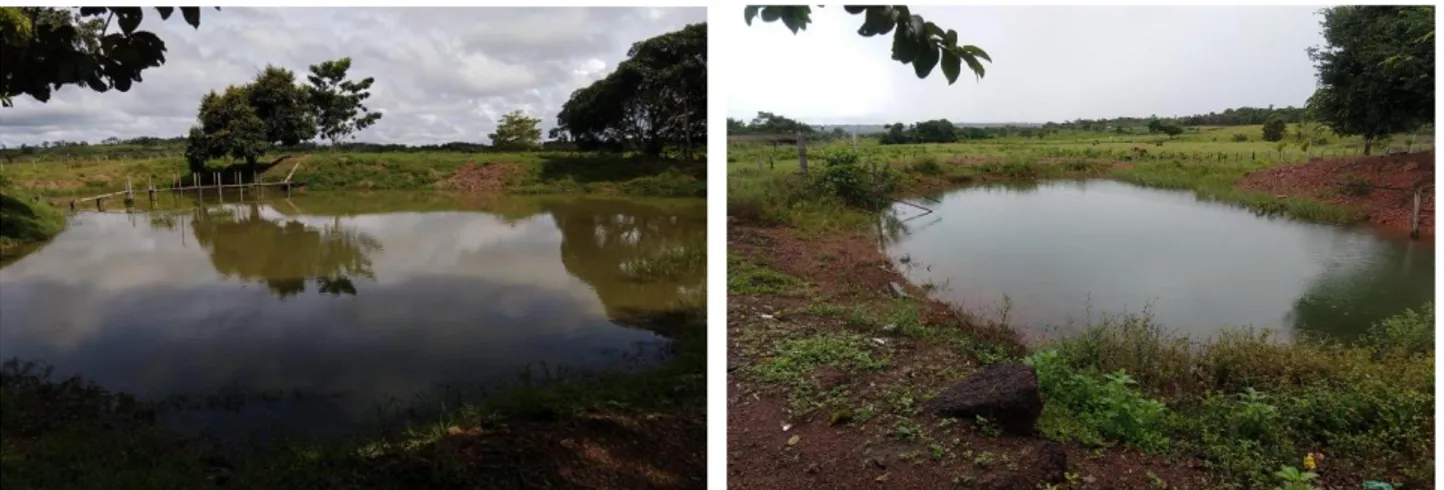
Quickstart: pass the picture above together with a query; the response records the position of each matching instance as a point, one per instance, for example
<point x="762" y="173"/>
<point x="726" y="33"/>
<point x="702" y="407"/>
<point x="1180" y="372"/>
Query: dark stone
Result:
<point x="1006" y="393"/>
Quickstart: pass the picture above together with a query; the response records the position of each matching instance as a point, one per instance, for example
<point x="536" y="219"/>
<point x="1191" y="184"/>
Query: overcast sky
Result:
<point x="441" y="74"/>
<point x="1049" y="64"/>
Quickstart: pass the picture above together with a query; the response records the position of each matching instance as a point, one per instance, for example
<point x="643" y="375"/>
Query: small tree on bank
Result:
<point x="1274" y="129"/>
<point x="517" y="132"/>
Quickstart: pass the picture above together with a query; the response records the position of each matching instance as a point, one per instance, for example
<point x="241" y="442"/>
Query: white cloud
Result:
<point x="441" y="74"/>
<point x="1049" y="64"/>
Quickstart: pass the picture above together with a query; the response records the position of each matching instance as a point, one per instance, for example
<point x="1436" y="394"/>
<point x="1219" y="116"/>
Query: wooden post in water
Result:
<point x="150" y="189"/>
<point x="802" y="153"/>
<point x="1414" y="225"/>
<point x="97" y="204"/>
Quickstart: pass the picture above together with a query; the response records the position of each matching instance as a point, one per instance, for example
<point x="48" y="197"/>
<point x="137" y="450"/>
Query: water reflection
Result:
<point x="284" y="253"/>
<point x="413" y="304"/>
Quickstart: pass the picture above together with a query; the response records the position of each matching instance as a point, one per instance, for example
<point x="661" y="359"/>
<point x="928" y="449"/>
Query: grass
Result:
<point x="1246" y="404"/>
<point x="71" y="434"/>
<point x="744" y="277"/>
<point x="1208" y="161"/>
<point x="26" y="222"/>
<point x="524" y="173"/>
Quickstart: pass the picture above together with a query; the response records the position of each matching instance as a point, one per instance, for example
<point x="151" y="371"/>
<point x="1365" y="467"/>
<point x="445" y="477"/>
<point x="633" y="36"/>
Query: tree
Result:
<point x="1274" y="129"/>
<point x="1375" y="71"/>
<point x="915" y="41"/>
<point x="245" y="121"/>
<point x="229" y="127"/>
<point x="337" y="101"/>
<point x="657" y="97"/>
<point x="1171" y="129"/>
<point x="516" y="131"/>
<point x="283" y="105"/>
<point x="45" y="48"/>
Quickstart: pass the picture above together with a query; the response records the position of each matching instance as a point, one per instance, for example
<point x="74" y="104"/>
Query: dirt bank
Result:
<point x="866" y="428"/>
<point x="1380" y="185"/>
<point x="486" y="177"/>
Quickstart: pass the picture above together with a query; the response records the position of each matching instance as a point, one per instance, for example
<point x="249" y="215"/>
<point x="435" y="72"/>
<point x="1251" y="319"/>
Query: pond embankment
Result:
<point x="834" y="357"/>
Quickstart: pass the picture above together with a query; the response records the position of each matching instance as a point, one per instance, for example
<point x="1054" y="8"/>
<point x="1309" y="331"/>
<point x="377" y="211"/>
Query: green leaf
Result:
<point x="951" y="38"/>
<point x="854" y="9"/>
<point x="165" y="12"/>
<point x="977" y="52"/>
<point x="918" y="27"/>
<point x="192" y="15"/>
<point x="926" y="60"/>
<point x="973" y="64"/>
<point x="876" y="22"/>
<point x="903" y="48"/>
<point x="952" y="65"/>
<point x="770" y="14"/>
<point x="129" y="18"/>
<point x="749" y="13"/>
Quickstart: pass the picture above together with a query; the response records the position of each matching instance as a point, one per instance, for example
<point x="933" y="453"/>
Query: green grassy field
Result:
<point x="535" y="172"/>
<point x="1206" y="160"/>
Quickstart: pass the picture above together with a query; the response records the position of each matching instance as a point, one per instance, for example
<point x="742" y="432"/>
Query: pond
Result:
<point x="318" y="312"/>
<point x="1056" y="255"/>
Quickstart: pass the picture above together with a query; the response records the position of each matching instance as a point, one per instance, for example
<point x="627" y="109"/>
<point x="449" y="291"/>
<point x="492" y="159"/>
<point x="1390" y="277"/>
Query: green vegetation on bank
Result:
<point x="63" y="434"/>
<point x="1246" y="404"/>
<point x="25" y="222"/>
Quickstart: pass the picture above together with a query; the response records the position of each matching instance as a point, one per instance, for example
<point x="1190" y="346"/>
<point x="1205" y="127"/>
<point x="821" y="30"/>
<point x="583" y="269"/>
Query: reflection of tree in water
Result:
<point x="1346" y="299"/>
<point x="284" y="256"/>
<point x="604" y="241"/>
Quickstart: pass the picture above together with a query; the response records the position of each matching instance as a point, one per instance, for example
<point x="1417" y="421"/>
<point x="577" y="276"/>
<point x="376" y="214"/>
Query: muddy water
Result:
<point x="308" y="314"/>
<point x="1062" y="253"/>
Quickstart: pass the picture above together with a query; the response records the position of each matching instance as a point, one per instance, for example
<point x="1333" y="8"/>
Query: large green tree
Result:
<point x="516" y="131"/>
<point x="338" y="101"/>
<point x="45" y="48"/>
<point x="1375" y="71"/>
<point x="247" y="120"/>
<point x="229" y="127"/>
<point x="283" y="105"/>
<point x="915" y="41"/>
<point x="656" y="98"/>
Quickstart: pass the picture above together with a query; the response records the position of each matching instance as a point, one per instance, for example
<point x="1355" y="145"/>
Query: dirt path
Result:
<point x="828" y="369"/>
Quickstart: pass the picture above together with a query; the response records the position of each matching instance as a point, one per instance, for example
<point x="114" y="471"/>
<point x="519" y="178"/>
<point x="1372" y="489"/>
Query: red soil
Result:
<point x="1390" y="203"/>
<point x="485" y="178"/>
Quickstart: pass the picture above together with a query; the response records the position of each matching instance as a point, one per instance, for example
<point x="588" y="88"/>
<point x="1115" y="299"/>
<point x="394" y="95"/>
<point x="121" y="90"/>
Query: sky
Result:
<point x="1049" y="64"/>
<point x="442" y="75"/>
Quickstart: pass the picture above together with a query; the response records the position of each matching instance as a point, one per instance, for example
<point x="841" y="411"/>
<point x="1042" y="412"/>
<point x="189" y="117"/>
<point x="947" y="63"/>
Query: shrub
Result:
<point x="1240" y="138"/>
<point x="927" y="165"/>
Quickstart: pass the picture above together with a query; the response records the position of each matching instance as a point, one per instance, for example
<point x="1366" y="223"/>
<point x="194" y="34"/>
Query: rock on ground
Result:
<point x="1005" y="393"/>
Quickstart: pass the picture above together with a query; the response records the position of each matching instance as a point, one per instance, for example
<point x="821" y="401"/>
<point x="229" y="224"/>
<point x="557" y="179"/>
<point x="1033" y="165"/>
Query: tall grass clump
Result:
<point x="1246" y="403"/>
<point x="841" y="195"/>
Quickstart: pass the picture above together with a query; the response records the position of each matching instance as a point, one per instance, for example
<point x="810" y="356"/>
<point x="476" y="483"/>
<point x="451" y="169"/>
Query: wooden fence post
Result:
<point x="1414" y="226"/>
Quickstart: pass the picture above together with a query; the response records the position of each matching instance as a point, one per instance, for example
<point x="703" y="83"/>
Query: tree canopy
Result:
<point x="516" y="131"/>
<point x="45" y="48"/>
<point x="1375" y="71"/>
<point x="656" y="98"/>
<point x="768" y="123"/>
<point x="337" y="102"/>
<point x="915" y="41"/>
<point x="1274" y="129"/>
<point x="273" y="110"/>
